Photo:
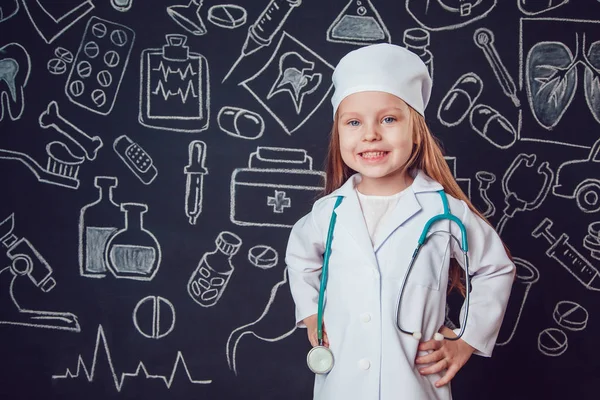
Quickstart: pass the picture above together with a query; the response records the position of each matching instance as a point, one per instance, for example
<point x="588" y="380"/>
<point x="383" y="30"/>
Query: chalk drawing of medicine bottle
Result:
<point x="133" y="252"/>
<point x="98" y="221"/>
<point x="208" y="282"/>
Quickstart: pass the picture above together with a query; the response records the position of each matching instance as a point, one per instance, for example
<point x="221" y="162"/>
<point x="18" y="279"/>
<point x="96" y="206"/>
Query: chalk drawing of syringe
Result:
<point x="567" y="256"/>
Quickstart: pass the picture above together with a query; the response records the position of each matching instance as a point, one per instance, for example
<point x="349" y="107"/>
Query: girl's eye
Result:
<point x="389" y="120"/>
<point x="353" y="123"/>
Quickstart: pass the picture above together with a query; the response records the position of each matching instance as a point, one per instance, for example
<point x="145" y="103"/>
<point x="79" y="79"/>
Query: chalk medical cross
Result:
<point x="279" y="202"/>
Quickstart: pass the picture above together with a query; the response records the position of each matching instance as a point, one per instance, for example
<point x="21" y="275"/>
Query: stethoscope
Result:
<point x="320" y="359"/>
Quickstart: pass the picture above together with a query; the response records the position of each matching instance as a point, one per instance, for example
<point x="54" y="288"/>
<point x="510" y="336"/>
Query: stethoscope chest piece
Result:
<point x="320" y="360"/>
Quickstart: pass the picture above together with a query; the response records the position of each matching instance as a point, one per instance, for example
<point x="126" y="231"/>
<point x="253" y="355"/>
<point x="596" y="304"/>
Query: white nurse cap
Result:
<point x="384" y="68"/>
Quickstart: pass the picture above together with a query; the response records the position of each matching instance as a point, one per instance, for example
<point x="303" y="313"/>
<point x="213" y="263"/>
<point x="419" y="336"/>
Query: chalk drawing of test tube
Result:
<point x="527" y="275"/>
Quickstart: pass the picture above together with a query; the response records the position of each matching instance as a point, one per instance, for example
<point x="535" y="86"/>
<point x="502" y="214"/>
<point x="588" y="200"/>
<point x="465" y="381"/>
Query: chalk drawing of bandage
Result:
<point x="275" y="189"/>
<point x="292" y="84"/>
<point x="179" y="372"/>
<point x="15" y="66"/>
<point x="267" y="327"/>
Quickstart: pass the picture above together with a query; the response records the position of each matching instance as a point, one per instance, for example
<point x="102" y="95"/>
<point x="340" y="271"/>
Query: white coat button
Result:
<point x="364" y="364"/>
<point x="365" y="317"/>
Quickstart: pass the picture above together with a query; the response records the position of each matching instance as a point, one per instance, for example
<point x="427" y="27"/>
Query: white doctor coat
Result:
<point x="373" y="359"/>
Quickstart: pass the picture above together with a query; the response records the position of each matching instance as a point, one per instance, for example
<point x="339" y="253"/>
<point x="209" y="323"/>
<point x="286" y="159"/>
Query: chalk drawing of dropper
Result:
<point x="567" y="256"/>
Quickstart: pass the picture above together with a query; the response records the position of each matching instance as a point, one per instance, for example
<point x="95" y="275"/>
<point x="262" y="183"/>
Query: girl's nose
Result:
<point x="371" y="133"/>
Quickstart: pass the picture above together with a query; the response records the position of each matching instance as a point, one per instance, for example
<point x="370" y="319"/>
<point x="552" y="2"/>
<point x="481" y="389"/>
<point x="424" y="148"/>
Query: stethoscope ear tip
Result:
<point x="438" y="336"/>
<point x="417" y="335"/>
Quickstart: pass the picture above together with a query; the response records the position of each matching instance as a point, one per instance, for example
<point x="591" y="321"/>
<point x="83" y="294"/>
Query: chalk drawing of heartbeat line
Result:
<point x="89" y="373"/>
<point x="166" y="71"/>
<point x="160" y="89"/>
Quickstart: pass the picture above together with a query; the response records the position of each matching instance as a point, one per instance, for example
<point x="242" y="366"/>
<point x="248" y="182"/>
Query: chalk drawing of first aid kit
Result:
<point x="174" y="87"/>
<point x="276" y="189"/>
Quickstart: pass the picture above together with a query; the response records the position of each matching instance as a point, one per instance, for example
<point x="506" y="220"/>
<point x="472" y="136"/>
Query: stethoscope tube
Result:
<point x="320" y="358"/>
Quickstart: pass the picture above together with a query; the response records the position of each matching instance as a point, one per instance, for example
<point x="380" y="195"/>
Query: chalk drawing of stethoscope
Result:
<point x="512" y="200"/>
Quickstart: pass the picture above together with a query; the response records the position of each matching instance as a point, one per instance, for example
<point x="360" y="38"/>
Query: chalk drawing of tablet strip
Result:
<point x="276" y="190"/>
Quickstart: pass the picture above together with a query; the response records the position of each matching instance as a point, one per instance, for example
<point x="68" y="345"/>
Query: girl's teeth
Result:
<point x="373" y="154"/>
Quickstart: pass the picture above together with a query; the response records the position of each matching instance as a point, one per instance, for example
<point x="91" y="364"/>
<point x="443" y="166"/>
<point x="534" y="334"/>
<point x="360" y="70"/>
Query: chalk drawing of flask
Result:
<point x="98" y="221"/>
<point x="208" y="282"/>
<point x="133" y="252"/>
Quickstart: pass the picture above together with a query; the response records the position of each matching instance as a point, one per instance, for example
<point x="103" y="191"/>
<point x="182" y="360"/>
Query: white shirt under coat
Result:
<point x="373" y="359"/>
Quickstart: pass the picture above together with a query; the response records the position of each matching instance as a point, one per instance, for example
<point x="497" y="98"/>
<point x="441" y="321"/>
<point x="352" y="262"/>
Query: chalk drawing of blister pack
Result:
<point x="15" y="66"/>
<point x="358" y="23"/>
<point x="100" y="65"/>
<point x="276" y="189"/>
<point x="439" y="15"/>
<point x="548" y="74"/>
<point x="174" y="87"/>
<point x="27" y="262"/>
<point x="292" y="84"/>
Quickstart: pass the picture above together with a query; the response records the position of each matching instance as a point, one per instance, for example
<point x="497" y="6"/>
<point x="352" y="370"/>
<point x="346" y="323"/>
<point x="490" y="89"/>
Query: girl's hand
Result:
<point x="311" y="325"/>
<point x="449" y="355"/>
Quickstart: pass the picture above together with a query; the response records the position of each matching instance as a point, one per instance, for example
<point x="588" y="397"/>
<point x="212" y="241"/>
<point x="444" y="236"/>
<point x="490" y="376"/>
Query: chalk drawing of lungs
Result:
<point x="439" y="15"/>
<point x="174" y="87"/>
<point x="276" y="189"/>
<point x="52" y="18"/>
<point x="292" y="84"/>
<point x="15" y="66"/>
<point x="550" y="78"/>
<point x="27" y="266"/>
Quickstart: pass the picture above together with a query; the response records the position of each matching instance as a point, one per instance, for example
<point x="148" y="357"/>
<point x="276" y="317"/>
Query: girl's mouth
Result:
<point x="373" y="155"/>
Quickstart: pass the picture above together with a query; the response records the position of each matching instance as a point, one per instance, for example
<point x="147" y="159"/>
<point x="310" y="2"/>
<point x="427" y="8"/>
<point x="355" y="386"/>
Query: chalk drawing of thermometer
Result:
<point x="484" y="39"/>
<point x="268" y="24"/>
<point x="567" y="256"/>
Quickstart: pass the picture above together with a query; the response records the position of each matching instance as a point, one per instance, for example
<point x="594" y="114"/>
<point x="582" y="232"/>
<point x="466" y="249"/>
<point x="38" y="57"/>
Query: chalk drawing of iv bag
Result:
<point x="551" y="76"/>
<point x="133" y="252"/>
<point x="174" y="87"/>
<point x="276" y="189"/>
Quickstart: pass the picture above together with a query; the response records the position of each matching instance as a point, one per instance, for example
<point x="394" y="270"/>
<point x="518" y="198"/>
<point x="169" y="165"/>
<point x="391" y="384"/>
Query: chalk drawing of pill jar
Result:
<point x="208" y="282"/>
<point x="133" y="252"/>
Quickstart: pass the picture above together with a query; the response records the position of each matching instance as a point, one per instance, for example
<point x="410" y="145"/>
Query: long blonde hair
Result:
<point x="426" y="155"/>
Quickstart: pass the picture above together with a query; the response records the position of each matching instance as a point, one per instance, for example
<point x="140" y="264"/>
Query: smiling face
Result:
<point x="376" y="140"/>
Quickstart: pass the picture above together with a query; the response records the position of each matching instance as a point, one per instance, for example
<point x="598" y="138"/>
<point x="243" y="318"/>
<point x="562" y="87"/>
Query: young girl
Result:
<point x="387" y="167"/>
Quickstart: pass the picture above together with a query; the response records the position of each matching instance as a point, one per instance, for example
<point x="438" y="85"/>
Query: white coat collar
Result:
<point x="350" y="215"/>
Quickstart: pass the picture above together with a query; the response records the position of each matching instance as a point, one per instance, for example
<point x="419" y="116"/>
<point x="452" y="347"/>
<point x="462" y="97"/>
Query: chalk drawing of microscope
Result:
<point x="27" y="262"/>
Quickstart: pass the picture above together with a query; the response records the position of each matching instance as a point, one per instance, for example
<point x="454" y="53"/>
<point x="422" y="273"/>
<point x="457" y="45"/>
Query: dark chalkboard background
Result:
<point x="155" y="336"/>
